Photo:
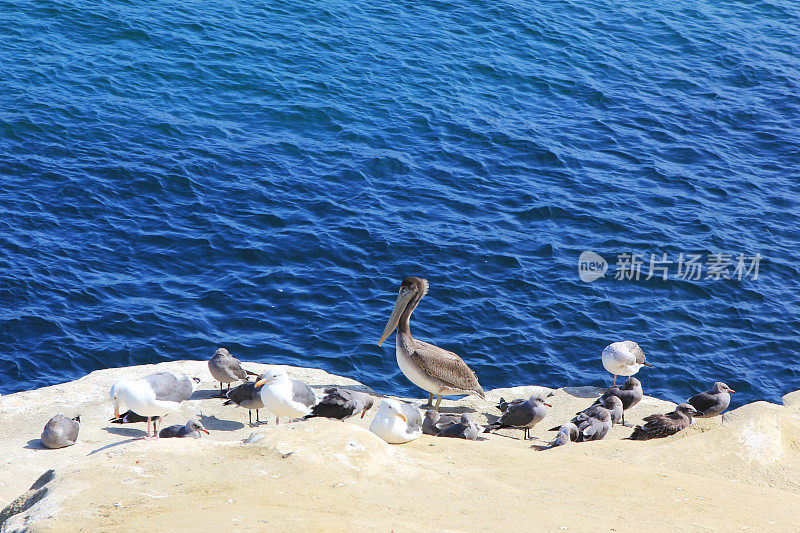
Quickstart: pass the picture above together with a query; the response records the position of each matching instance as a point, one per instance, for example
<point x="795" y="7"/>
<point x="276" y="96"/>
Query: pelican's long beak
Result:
<point x="399" y="306"/>
<point x="401" y="415"/>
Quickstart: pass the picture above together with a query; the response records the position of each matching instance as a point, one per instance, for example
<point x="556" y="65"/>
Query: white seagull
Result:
<point x="623" y="358"/>
<point x="153" y="395"/>
<point x="397" y="422"/>
<point x="285" y="397"/>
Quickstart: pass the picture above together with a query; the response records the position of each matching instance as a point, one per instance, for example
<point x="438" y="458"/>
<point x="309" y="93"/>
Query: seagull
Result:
<point x="342" y="403"/>
<point x="434" y="421"/>
<point x="713" y="402"/>
<point x="191" y="429"/>
<point x="623" y="358"/>
<point x="129" y="417"/>
<point x="247" y="395"/>
<point x="152" y="396"/>
<point x="610" y="405"/>
<point x="595" y="427"/>
<point x="397" y="422"/>
<point x="464" y="429"/>
<point x="566" y="433"/>
<point x="503" y="404"/>
<point x="225" y="368"/>
<point x="285" y="397"/>
<point x="427" y="366"/>
<point x="61" y="431"/>
<point x="659" y="426"/>
<point x="523" y="415"/>
<point x="629" y="392"/>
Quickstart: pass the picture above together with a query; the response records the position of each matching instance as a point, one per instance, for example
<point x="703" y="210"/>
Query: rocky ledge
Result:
<point x="736" y="473"/>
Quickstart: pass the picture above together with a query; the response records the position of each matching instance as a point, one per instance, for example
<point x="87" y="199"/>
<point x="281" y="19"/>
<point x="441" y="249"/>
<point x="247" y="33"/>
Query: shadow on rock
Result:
<point x="207" y="394"/>
<point x="216" y="424"/>
<point x="125" y="432"/>
<point x="35" y="444"/>
<point x="585" y="392"/>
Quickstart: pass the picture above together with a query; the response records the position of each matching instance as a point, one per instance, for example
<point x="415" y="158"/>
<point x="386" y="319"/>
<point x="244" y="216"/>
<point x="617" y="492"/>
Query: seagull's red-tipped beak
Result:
<point x="204" y="430"/>
<point x="547" y="404"/>
<point x="648" y="365"/>
<point x="363" y="413"/>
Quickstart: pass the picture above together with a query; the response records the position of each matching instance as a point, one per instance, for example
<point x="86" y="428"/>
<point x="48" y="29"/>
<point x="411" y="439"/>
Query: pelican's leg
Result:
<point x="430" y="400"/>
<point x="438" y="401"/>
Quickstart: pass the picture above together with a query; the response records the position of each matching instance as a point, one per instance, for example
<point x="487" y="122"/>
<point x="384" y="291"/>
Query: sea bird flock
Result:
<point x="435" y="370"/>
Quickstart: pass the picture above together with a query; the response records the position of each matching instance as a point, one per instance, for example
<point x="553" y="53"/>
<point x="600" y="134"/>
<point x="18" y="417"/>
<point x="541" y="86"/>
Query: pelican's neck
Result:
<point x="404" y="325"/>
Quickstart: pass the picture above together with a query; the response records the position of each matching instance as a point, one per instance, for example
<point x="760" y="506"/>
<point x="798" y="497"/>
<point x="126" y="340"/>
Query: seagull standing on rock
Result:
<point x="225" y="368"/>
<point x="522" y="415"/>
<point x="397" y="422"/>
<point x="285" y="397"/>
<point x="623" y="358"/>
<point x="247" y="395"/>
<point x="154" y="395"/>
<point x="630" y="393"/>
<point x="713" y="402"/>
<point x="610" y="405"/>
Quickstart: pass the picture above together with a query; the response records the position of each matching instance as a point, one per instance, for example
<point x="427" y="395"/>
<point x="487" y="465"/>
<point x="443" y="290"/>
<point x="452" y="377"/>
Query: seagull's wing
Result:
<point x="302" y="393"/>
<point x="703" y="401"/>
<point x="166" y="386"/>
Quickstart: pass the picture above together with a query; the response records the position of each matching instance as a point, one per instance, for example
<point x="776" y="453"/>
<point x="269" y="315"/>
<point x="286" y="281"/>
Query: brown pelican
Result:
<point x="427" y="366"/>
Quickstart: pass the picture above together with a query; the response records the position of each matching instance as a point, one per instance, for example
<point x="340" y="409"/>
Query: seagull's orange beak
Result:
<point x="116" y="411"/>
<point x="363" y="413"/>
<point x="401" y="415"/>
<point x="732" y="391"/>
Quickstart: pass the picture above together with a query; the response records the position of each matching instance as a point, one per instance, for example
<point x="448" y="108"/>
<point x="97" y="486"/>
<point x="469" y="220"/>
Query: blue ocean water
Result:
<point x="178" y="176"/>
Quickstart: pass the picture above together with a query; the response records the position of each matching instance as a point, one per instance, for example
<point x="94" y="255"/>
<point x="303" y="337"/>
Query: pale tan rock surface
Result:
<point x="337" y="476"/>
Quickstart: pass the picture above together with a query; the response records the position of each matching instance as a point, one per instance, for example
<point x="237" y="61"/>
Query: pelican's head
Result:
<point x="411" y="290"/>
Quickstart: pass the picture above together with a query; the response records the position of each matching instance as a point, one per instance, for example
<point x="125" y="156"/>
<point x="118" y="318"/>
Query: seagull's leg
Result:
<point x="250" y="417"/>
<point x="438" y="401"/>
<point x="615" y="380"/>
<point x="277" y="420"/>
